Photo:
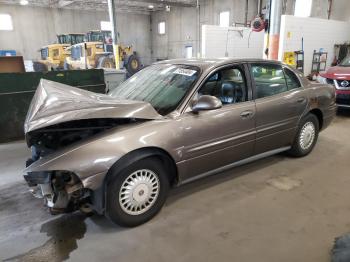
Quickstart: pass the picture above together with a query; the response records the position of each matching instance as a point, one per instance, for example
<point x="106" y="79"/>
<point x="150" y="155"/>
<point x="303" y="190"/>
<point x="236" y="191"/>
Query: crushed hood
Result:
<point x="55" y="103"/>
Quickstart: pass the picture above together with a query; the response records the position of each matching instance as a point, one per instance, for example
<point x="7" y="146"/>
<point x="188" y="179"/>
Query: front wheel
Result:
<point x="105" y="62"/>
<point x="137" y="193"/>
<point x="133" y="64"/>
<point x="306" y="137"/>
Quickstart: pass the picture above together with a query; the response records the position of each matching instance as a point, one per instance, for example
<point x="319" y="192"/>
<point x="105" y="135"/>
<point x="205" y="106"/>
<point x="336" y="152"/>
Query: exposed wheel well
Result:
<point x="318" y="113"/>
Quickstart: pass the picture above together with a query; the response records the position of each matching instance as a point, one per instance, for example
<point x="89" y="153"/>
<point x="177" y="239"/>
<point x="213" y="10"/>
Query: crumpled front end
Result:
<point x="62" y="191"/>
<point x="68" y="132"/>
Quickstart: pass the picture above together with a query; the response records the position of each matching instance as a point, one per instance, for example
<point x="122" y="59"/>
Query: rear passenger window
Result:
<point x="269" y="80"/>
<point x="292" y="80"/>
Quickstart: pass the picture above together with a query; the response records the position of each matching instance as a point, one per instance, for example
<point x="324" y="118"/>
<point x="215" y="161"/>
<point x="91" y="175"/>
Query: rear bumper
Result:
<point x="329" y="115"/>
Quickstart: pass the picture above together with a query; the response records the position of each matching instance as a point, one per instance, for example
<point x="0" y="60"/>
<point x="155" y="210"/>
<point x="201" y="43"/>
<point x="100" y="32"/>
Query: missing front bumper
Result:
<point x="62" y="191"/>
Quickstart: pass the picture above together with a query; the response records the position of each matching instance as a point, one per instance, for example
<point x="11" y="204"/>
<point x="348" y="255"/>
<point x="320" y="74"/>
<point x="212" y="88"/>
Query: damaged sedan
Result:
<point x="169" y="124"/>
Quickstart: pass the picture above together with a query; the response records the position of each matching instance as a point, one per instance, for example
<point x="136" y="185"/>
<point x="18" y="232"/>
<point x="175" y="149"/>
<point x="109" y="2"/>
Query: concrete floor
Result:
<point x="276" y="209"/>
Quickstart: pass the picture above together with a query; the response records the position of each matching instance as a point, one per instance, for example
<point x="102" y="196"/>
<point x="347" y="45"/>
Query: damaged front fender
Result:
<point x="89" y="160"/>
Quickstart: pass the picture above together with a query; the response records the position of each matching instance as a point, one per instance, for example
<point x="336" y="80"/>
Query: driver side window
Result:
<point x="228" y="84"/>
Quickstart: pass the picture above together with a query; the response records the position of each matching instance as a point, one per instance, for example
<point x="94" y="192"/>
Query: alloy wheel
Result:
<point x="307" y="135"/>
<point x="139" y="192"/>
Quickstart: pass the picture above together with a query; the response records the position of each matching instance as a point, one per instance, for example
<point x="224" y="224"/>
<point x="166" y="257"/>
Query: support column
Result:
<point x="113" y="20"/>
<point x="275" y="26"/>
<point x="198" y="47"/>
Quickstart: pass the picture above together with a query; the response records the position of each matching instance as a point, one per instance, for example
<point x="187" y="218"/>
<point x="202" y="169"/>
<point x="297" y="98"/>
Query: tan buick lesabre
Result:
<point x="169" y="124"/>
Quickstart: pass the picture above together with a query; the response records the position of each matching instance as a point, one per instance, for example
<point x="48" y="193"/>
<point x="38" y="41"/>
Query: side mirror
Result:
<point x="206" y="102"/>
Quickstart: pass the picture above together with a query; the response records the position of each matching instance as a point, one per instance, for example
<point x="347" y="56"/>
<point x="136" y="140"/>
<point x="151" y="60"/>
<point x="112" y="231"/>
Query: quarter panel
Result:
<point x="277" y="119"/>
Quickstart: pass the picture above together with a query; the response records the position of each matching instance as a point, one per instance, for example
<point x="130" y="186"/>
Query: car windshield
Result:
<point x="345" y="62"/>
<point x="164" y="86"/>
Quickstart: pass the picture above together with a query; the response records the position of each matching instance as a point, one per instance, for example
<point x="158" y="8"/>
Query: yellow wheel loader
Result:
<point x="97" y="52"/>
<point x="88" y="55"/>
<point x="53" y="56"/>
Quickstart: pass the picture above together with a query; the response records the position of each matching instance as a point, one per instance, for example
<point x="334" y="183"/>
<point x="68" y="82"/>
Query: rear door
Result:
<point x="280" y="102"/>
<point x="222" y="136"/>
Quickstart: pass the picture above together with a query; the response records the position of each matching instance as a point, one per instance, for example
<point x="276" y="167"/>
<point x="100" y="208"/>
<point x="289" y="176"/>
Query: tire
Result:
<point x="105" y="62"/>
<point x="306" y="136"/>
<point x="133" y="64"/>
<point x="118" y="196"/>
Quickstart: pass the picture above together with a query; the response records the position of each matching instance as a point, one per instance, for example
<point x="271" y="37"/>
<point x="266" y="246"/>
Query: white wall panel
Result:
<point x="317" y="33"/>
<point x="227" y="41"/>
<point x="35" y="27"/>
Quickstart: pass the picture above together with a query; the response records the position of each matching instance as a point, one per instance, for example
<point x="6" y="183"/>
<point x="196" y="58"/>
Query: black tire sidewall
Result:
<point x="113" y="209"/>
<point x="129" y="68"/>
<point x="296" y="148"/>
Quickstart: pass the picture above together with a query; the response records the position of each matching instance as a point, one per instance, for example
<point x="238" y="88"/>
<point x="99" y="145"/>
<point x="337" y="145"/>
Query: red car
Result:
<point x="339" y="76"/>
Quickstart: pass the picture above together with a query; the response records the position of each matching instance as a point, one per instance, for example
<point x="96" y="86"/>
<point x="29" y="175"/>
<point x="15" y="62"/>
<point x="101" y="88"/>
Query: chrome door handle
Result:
<point x="246" y="114"/>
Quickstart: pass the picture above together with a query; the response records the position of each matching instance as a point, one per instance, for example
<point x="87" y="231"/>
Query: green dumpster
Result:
<point x="17" y="90"/>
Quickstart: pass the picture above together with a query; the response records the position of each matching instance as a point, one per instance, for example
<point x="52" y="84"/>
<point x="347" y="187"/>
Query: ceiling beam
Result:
<point x="166" y="2"/>
<point x="132" y="6"/>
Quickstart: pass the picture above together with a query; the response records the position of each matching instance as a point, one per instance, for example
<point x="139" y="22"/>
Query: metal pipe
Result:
<point x="274" y="26"/>
<point x="275" y="18"/>
<point x="246" y="13"/>
<point x="329" y="8"/>
<point x="198" y="30"/>
<point x="113" y="20"/>
<point x="259" y="7"/>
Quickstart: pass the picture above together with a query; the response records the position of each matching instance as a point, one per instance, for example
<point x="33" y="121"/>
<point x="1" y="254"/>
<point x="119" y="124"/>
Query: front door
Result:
<point x="280" y="103"/>
<point x="219" y="137"/>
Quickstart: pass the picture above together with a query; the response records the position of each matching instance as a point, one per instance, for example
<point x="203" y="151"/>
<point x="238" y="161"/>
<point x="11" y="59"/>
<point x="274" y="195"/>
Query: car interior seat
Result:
<point x="231" y="92"/>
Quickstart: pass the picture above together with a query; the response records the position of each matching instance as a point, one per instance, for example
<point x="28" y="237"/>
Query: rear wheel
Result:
<point x="306" y="137"/>
<point x="137" y="193"/>
<point x="132" y="64"/>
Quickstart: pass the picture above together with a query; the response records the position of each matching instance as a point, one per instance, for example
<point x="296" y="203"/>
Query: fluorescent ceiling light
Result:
<point x="23" y="2"/>
<point x="151" y="6"/>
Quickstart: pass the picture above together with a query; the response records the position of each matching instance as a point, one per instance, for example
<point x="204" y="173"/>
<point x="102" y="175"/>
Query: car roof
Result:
<point x="205" y="63"/>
